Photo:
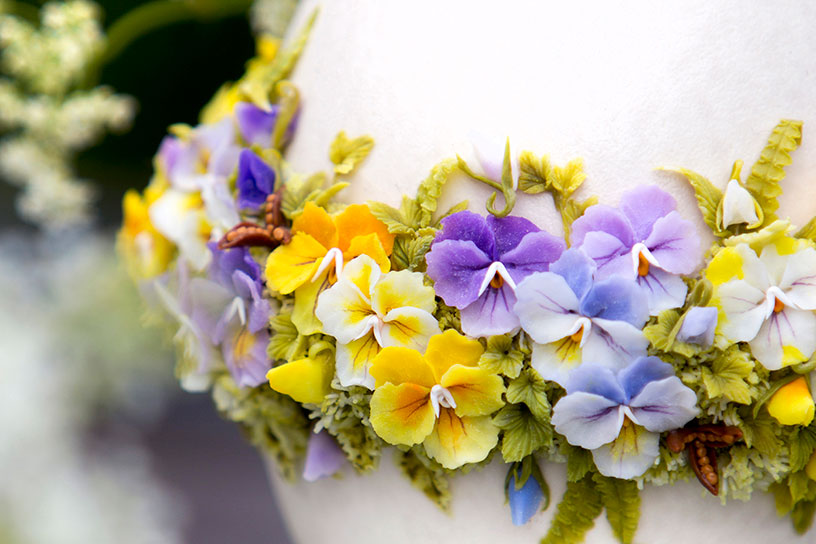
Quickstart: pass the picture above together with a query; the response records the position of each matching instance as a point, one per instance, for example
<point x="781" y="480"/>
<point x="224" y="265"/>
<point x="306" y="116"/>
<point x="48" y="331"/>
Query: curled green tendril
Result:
<point x="318" y="347"/>
<point x="506" y="187"/>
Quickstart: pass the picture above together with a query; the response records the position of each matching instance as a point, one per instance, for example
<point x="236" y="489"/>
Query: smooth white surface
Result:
<point x="627" y="86"/>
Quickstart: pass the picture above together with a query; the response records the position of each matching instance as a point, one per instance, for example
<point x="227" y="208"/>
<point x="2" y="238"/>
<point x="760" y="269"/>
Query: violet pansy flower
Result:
<point x="573" y="318"/>
<point x="619" y="415"/>
<point x="257" y="124"/>
<point x="323" y="457"/>
<point x="476" y="264"/>
<point x="256" y="181"/>
<point x="646" y="240"/>
<point x="698" y="326"/>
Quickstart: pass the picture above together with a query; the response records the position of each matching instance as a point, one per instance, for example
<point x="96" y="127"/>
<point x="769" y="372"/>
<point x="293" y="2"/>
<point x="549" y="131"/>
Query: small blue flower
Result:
<point x="524" y="502"/>
<point x="698" y="326"/>
<point x="256" y="181"/>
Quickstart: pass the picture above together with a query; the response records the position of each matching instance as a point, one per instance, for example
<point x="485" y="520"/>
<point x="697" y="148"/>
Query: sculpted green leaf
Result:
<point x="287" y="109"/>
<point x="727" y="377"/>
<point x="579" y="462"/>
<point x="391" y="217"/>
<point x="347" y="154"/>
<point x="299" y="191"/>
<point x="661" y="334"/>
<point x="808" y="231"/>
<point x="802" y="444"/>
<point x="577" y="511"/>
<point x="430" y="189"/>
<point x="708" y="197"/>
<point x="534" y="173"/>
<point x="768" y="171"/>
<point x="530" y="388"/>
<point x="621" y="499"/>
<point x="571" y="209"/>
<point x="802" y="516"/>
<point x="523" y="432"/>
<point x="501" y="357"/>
<point x="761" y="433"/>
<point x="568" y="178"/>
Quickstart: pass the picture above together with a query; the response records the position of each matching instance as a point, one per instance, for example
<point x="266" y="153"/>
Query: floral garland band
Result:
<point x="329" y="331"/>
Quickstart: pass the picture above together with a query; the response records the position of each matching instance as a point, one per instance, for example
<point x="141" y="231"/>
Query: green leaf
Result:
<point x="391" y="217"/>
<point x="288" y="102"/>
<point x="430" y="190"/>
<point x="802" y="516"/>
<point x="572" y="209"/>
<point x="452" y="210"/>
<point x="501" y="357"/>
<point x="579" y="463"/>
<point x="802" y="444"/>
<point x="297" y="192"/>
<point x="800" y="486"/>
<point x="530" y="388"/>
<point x="409" y="253"/>
<point x="760" y="433"/>
<point x="568" y="178"/>
<point x="534" y="173"/>
<point x="285" y="343"/>
<point x="346" y="154"/>
<point x="727" y="376"/>
<point x="577" y="511"/>
<point x="708" y="197"/>
<point x="523" y="471"/>
<point x="768" y="171"/>
<point x="425" y="475"/>
<point x="621" y="499"/>
<point x="523" y="432"/>
<point x="808" y="231"/>
<point x="661" y="334"/>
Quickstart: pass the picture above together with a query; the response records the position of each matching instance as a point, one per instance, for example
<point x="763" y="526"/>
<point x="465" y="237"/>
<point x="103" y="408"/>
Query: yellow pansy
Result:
<point x="307" y="380"/>
<point x="146" y="251"/>
<point x="320" y="245"/>
<point x="441" y="399"/>
<point x="793" y="404"/>
<point x="367" y="310"/>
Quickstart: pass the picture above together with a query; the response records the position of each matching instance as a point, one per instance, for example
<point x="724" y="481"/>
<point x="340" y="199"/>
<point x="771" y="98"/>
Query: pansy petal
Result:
<point x="364" y="273"/>
<point x="353" y="361"/>
<point x="611" y="256"/>
<point x="451" y="348"/>
<point x="630" y="455"/>
<point x="597" y="379"/>
<point x="799" y="279"/>
<point x="245" y="356"/>
<point x="743" y="310"/>
<point x="614" y="343"/>
<point x="675" y="244"/>
<point x="292" y="265"/>
<point x="256" y="124"/>
<point x="577" y="269"/>
<point x="644" y="206"/>
<point x="398" y="365"/>
<point x="305" y="380"/>
<point x="663" y="290"/>
<point x="456" y="441"/>
<point x="344" y="312"/>
<point x="642" y="371"/>
<point x="508" y="232"/>
<point x="458" y="268"/>
<point x="664" y="405"/>
<point x="323" y="457"/>
<point x="468" y="226"/>
<point x="304" y="315"/>
<point x="255" y="181"/>
<point x="357" y="220"/>
<point x="738" y="206"/>
<point x="698" y="326"/>
<point x="491" y="314"/>
<point x="616" y="299"/>
<point x="476" y="392"/>
<point x="403" y="288"/>
<point x="546" y="307"/>
<point x="534" y="253"/>
<point x="792" y="404"/>
<point x="317" y="223"/>
<point x="408" y="327"/>
<point x="587" y="420"/>
<point x="368" y="245"/>
<point x="785" y="338"/>
<point x="602" y="218"/>
<point x="556" y="360"/>
<point x="402" y="414"/>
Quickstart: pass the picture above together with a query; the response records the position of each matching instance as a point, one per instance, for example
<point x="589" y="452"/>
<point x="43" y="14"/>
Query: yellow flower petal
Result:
<point x="305" y="380"/>
<point x="403" y="288"/>
<point x="451" y="348"/>
<point x="792" y="404"/>
<point x="357" y="220"/>
<point x="292" y="265"/>
<point x="317" y="223"/>
<point x="368" y="245"/>
<point x="456" y="441"/>
<point x="726" y="265"/>
<point x="303" y="313"/>
<point x="476" y="392"/>
<point x="408" y="327"/>
<point x="402" y="414"/>
<point x="399" y="365"/>
<point x="810" y="468"/>
<point x="362" y="272"/>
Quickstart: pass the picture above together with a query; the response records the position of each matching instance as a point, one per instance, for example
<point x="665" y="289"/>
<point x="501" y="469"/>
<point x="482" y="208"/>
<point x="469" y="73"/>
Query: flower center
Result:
<point x="441" y="397"/>
<point x="643" y="265"/>
<point x="333" y="257"/>
<point x="577" y="335"/>
<point x="497" y="282"/>
<point x="496" y="276"/>
<point x="778" y="305"/>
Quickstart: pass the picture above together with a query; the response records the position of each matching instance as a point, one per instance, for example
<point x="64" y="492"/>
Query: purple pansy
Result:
<point x="646" y="240"/>
<point x="573" y="318"/>
<point x="256" y="181"/>
<point x="698" y="326"/>
<point x="476" y="263"/>
<point x="257" y="124"/>
<point x="323" y="457"/>
<point x="619" y="415"/>
<point x="230" y="308"/>
<point x="524" y="502"/>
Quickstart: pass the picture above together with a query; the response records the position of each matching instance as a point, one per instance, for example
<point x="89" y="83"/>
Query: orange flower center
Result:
<point x="497" y="281"/>
<point x="643" y="265"/>
<point x="577" y="335"/>
<point x="778" y="305"/>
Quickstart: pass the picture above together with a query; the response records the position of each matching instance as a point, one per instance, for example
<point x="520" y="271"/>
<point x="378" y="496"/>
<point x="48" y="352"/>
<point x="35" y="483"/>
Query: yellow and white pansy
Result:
<point x="441" y="399"/>
<point x="768" y="299"/>
<point x="146" y="251"/>
<point x="181" y="218"/>
<point x="367" y="310"/>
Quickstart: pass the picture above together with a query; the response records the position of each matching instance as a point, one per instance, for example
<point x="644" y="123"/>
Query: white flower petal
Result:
<point x="754" y="270"/>
<point x="555" y="361"/>
<point x="664" y="405"/>
<point x="587" y="420"/>
<point x="799" y="279"/>
<point x="664" y="290"/>
<point x="353" y="361"/>
<point x="745" y="310"/>
<point x="546" y="307"/>
<point x="786" y="338"/>
<point x="344" y="312"/>
<point x="614" y="343"/>
<point x="738" y="205"/>
<point x="630" y="455"/>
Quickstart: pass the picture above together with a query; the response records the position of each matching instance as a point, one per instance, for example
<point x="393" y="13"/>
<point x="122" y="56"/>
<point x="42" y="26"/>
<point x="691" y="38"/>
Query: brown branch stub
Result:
<point x="273" y="233"/>
<point x="701" y="442"/>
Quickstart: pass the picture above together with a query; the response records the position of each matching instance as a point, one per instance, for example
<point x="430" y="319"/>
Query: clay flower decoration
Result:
<point x="646" y="240"/>
<point x="619" y="415"/>
<point x="255" y="181"/>
<point x="256" y="124"/>
<point x="441" y="399"/>
<point x="321" y="244"/>
<point x="573" y="318"/>
<point x="767" y="300"/>
<point x="476" y="264"/>
<point x="367" y="310"/>
<point x="147" y="252"/>
<point x="229" y="307"/>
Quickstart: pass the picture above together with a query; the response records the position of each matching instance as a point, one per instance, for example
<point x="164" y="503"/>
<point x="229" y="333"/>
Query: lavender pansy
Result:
<point x="256" y="181"/>
<point x="476" y="264"/>
<point x="573" y="318"/>
<point x="619" y="415"/>
<point x="323" y="457"/>
<point x="646" y="240"/>
<point x="698" y="326"/>
<point x="257" y="124"/>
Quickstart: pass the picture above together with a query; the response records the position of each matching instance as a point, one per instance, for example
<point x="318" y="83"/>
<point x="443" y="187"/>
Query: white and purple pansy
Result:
<point x="573" y="318"/>
<point x="646" y="240"/>
<point x="619" y="415"/>
<point x="476" y="264"/>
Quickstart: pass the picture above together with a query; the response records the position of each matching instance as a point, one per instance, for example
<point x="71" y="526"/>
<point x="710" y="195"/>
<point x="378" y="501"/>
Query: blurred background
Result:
<point x="97" y="441"/>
